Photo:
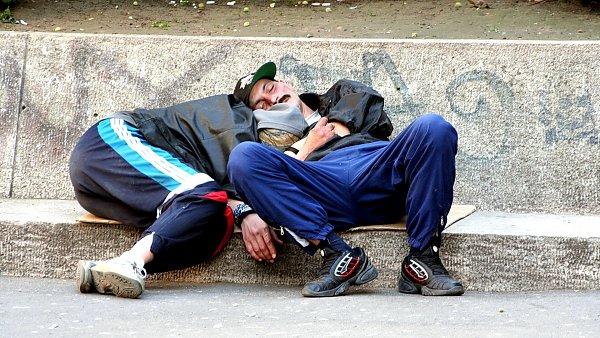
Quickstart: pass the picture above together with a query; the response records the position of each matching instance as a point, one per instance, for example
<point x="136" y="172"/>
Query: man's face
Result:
<point x="266" y="93"/>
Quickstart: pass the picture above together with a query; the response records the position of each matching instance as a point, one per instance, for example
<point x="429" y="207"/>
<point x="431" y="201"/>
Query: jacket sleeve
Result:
<point x="201" y="132"/>
<point x="358" y="107"/>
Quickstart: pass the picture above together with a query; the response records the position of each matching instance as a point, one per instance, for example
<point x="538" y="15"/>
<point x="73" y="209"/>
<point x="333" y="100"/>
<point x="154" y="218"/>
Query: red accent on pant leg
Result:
<point x="219" y="196"/>
<point x="228" y="213"/>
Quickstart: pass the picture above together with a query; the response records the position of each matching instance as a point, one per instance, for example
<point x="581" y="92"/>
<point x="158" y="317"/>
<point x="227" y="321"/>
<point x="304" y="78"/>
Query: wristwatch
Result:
<point x="240" y="212"/>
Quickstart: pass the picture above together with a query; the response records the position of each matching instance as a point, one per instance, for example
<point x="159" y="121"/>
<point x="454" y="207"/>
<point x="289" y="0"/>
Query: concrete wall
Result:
<point x="527" y="112"/>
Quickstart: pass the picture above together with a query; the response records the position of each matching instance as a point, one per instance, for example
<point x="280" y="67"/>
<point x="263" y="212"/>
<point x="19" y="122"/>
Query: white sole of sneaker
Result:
<point x="117" y="284"/>
<point x="83" y="277"/>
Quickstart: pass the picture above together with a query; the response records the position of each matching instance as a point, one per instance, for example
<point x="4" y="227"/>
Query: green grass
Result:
<point x="6" y="16"/>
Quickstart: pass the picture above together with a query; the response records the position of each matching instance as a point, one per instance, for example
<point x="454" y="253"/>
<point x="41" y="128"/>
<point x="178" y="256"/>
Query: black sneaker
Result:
<point x="339" y="271"/>
<point x="424" y="273"/>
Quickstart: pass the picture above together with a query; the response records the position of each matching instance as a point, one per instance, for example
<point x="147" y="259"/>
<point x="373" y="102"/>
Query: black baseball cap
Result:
<point x="245" y="84"/>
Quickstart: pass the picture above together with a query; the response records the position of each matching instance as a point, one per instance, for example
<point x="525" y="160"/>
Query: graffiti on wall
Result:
<point x="491" y="98"/>
<point x="405" y="107"/>
<point x="483" y="87"/>
<point x="565" y="118"/>
<point x="372" y="63"/>
<point x="480" y="101"/>
<point x="569" y="119"/>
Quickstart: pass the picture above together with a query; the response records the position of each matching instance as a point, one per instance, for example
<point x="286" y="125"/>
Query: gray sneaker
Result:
<point x="83" y="276"/>
<point x="118" y="276"/>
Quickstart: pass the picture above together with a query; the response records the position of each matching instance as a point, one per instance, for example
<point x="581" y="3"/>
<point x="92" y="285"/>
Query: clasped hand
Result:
<point x="260" y="239"/>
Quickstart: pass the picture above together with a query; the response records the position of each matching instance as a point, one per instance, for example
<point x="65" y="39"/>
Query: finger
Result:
<point x="251" y="244"/>
<point x="260" y="251"/>
<point x="251" y="249"/>
<point x="322" y="122"/>
<point x="268" y="250"/>
<point x="260" y="246"/>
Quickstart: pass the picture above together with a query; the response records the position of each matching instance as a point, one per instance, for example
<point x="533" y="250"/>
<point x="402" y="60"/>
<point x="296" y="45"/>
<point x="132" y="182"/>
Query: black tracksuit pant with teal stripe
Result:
<point x="117" y="174"/>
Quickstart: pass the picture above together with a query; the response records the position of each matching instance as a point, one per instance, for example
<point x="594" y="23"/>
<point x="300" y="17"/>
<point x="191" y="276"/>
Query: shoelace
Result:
<point x="328" y="260"/>
<point x="434" y="263"/>
<point x="140" y="272"/>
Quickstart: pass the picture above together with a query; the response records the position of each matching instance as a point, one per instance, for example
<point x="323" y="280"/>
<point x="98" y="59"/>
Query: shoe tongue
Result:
<point x="431" y="250"/>
<point x="329" y="257"/>
<point x="328" y="251"/>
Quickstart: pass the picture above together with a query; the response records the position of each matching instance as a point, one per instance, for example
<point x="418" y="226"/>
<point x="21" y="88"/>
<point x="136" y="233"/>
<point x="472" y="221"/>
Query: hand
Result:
<point x="260" y="239"/>
<point x="321" y="132"/>
<point x="319" y="135"/>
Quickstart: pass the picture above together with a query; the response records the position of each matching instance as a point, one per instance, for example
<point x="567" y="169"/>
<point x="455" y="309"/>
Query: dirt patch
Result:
<point x="513" y="20"/>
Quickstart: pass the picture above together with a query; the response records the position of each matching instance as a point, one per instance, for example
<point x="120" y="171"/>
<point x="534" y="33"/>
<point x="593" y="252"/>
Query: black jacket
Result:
<point x="358" y="107"/>
<point x="202" y="132"/>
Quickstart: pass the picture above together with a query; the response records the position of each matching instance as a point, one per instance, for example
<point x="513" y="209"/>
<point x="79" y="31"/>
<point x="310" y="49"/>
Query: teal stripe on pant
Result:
<point x="153" y="162"/>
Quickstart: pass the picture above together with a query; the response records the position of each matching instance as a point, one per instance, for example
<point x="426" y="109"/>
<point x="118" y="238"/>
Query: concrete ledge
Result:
<point x="521" y="108"/>
<point x="488" y="251"/>
<point x="517" y="252"/>
<point x="526" y="113"/>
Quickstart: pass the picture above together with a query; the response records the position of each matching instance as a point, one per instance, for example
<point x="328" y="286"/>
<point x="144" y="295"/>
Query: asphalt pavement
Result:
<point x="52" y="307"/>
